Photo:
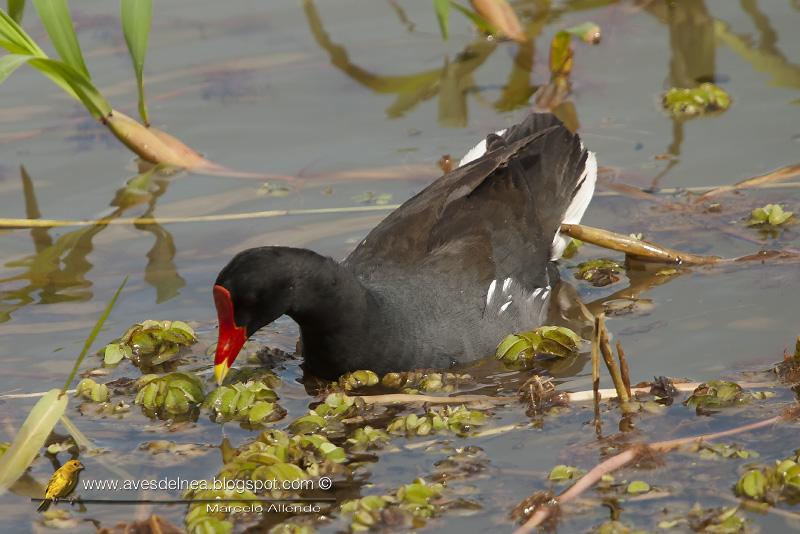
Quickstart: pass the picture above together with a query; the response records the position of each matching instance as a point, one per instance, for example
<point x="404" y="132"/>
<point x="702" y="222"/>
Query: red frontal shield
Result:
<point x="231" y="336"/>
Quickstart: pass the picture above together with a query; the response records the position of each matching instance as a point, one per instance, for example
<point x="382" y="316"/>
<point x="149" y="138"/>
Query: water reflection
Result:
<point x="694" y="35"/>
<point x="454" y="81"/>
<point x="450" y="83"/>
<point x="58" y="268"/>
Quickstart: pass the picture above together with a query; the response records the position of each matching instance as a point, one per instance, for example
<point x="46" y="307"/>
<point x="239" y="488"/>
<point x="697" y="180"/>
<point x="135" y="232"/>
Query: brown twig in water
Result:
<point x="636" y="248"/>
<point x="613" y="370"/>
<point x="598" y="428"/>
<point x="777" y="175"/>
<point x="623" y="368"/>
<point x="622" y="459"/>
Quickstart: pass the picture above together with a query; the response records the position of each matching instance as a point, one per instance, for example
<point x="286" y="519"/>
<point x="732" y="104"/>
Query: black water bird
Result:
<point x="441" y="280"/>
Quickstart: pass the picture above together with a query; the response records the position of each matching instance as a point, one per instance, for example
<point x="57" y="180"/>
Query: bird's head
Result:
<point x="73" y="466"/>
<point x="253" y="290"/>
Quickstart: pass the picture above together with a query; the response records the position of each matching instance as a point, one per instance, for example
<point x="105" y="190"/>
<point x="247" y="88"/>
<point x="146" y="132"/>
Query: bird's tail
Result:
<point x="44" y="505"/>
<point x="564" y="172"/>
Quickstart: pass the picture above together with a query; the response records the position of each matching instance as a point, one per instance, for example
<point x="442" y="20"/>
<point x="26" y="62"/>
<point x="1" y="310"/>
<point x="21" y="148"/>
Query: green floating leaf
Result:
<point x="771" y="214"/>
<point x="136" y="18"/>
<point x="91" y="390"/>
<point x="31" y="437"/>
<point x="752" y="484"/>
<point x="564" y="472"/>
<point x="638" y="486"/>
<point x="690" y="102"/>
<point x="520" y="349"/>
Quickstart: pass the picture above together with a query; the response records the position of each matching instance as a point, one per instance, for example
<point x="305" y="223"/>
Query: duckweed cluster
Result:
<point x="150" y="343"/>
<point x="252" y="402"/>
<point x="772" y="483"/>
<point x="456" y="419"/>
<point x="519" y="350"/>
<point x="169" y="395"/>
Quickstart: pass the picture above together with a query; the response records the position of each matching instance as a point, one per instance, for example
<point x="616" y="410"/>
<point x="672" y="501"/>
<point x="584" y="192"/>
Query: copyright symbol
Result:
<point x="325" y="483"/>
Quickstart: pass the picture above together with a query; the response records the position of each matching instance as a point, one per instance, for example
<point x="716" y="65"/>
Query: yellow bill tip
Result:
<point x="220" y="371"/>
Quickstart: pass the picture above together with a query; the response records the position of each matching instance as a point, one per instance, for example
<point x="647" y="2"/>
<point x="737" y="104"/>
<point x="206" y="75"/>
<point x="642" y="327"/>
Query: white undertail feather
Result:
<point x="579" y="203"/>
<point x="477" y="151"/>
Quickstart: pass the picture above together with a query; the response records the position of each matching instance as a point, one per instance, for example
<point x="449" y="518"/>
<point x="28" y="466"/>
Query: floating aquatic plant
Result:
<point x="252" y="402"/>
<point x="169" y="395"/>
<point x="367" y="438"/>
<point x="565" y="472"/>
<point x="274" y="456"/>
<point x="91" y="390"/>
<point x="456" y="419"/>
<point x="150" y="343"/>
<point x="520" y="349"/>
<point x="771" y="214"/>
<point x="427" y="381"/>
<point x="599" y="272"/>
<point x="717" y="394"/>
<point x="713" y="451"/>
<point x="328" y="414"/>
<point x="358" y="379"/>
<point x="772" y="483"/>
<point x="690" y="102"/>
<point x="408" y="507"/>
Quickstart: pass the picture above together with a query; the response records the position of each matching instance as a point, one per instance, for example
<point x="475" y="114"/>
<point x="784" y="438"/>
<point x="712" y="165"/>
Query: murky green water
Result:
<point x="323" y="88"/>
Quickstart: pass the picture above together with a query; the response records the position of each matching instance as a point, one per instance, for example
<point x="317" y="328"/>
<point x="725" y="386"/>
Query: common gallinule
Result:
<point x="441" y="280"/>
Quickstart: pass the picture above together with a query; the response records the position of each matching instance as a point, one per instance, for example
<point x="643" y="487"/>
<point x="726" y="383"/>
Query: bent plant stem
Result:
<point x="622" y="459"/>
<point x="636" y="248"/>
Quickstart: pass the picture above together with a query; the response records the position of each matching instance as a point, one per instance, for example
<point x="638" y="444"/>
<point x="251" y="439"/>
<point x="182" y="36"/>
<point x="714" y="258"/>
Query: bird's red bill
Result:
<point x="231" y="336"/>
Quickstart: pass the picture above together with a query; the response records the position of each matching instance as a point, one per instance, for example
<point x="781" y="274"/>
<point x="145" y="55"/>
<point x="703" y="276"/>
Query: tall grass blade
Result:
<point x="442" y="8"/>
<point x="136" y="18"/>
<point x="76" y="84"/>
<point x="58" y="23"/>
<point x="96" y="330"/>
<point x="9" y="64"/>
<point x="16" y="9"/>
<point x="31" y="437"/>
<point x="14" y="39"/>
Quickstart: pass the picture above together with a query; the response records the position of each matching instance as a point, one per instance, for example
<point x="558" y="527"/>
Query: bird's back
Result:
<point x="467" y="260"/>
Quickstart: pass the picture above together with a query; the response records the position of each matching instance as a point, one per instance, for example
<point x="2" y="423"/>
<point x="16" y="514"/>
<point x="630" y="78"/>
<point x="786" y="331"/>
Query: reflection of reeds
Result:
<point x="59" y="267"/>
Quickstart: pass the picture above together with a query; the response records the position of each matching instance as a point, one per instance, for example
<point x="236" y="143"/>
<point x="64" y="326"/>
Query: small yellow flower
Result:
<point x="61" y="483"/>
